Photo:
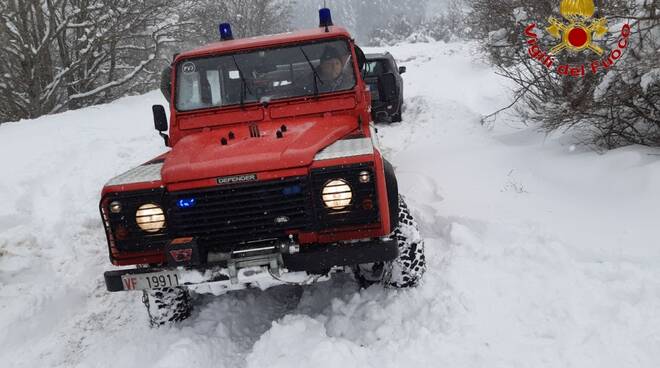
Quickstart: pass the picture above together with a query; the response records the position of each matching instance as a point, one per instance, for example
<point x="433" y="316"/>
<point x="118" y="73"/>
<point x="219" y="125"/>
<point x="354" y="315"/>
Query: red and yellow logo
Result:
<point x="576" y="33"/>
<point x="579" y="33"/>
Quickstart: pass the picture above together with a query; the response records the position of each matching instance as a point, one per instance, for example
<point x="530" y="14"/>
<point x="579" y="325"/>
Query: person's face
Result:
<point x="331" y="68"/>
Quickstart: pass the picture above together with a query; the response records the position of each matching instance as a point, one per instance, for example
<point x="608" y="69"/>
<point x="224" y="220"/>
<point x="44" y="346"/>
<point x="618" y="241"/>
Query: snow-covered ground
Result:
<point x="541" y="254"/>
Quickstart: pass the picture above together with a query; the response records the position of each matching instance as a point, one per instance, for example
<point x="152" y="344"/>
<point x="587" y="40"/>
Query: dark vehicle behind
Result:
<point x="383" y="76"/>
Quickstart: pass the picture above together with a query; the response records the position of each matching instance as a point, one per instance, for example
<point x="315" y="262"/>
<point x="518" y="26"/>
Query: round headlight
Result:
<point x="337" y="194"/>
<point x="150" y="218"/>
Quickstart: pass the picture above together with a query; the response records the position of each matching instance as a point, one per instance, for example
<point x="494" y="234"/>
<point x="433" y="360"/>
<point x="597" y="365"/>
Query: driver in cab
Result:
<point x="335" y="71"/>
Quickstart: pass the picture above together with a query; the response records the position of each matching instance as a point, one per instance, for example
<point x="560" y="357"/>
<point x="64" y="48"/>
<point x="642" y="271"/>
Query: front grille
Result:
<point x="224" y="217"/>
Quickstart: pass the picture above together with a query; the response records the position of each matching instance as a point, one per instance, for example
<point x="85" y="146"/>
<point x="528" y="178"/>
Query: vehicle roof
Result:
<point x="264" y="41"/>
<point x="384" y="55"/>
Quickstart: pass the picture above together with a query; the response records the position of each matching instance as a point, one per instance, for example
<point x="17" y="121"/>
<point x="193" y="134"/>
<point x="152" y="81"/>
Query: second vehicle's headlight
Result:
<point x="337" y="194"/>
<point x="150" y="218"/>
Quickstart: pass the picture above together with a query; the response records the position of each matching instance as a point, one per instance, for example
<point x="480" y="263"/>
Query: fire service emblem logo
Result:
<point x="577" y="32"/>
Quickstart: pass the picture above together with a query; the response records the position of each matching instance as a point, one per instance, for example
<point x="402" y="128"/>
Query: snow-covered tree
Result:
<point x="627" y="99"/>
<point x="395" y="30"/>
<point x="344" y="13"/>
<point x="62" y="54"/>
<point x="66" y="54"/>
<point x="389" y="21"/>
<point x="247" y="17"/>
<point x="370" y="21"/>
<point x="447" y="22"/>
<point x="611" y="108"/>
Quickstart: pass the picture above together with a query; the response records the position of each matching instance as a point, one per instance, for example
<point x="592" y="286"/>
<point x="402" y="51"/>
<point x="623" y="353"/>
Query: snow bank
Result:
<point x="540" y="254"/>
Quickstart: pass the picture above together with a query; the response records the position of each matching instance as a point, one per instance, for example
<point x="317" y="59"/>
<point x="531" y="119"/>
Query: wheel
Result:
<point x="397" y="118"/>
<point x="382" y="118"/>
<point x="409" y="267"/>
<point x="167" y="305"/>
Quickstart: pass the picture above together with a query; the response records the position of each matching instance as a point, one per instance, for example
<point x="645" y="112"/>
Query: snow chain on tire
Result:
<point x="407" y="269"/>
<point x="167" y="305"/>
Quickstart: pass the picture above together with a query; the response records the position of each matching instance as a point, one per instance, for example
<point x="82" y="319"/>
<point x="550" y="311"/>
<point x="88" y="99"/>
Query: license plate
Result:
<point x="154" y="280"/>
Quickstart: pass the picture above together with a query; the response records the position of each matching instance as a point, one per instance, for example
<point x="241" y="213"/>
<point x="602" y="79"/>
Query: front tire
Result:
<point x="408" y="268"/>
<point x="167" y="305"/>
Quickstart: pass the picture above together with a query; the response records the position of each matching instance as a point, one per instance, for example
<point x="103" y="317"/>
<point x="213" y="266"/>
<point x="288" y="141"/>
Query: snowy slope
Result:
<point x="540" y="254"/>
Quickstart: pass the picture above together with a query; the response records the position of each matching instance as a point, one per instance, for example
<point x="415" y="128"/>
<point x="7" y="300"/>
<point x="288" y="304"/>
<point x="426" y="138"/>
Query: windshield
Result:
<point x="264" y="75"/>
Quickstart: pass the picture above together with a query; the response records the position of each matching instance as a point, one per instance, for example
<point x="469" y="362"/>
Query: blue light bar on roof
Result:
<point x="225" y="32"/>
<point x="325" y="17"/>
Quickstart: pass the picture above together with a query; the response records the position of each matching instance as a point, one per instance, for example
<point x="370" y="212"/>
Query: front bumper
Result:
<point x="262" y="271"/>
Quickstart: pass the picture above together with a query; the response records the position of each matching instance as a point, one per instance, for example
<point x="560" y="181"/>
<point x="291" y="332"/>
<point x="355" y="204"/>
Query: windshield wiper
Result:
<point x="316" y="75"/>
<point x="244" y="86"/>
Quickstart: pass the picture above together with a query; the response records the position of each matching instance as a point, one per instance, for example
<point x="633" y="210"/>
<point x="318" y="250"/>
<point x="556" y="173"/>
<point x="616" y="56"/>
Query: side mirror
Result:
<point x="160" y="122"/>
<point x="160" y="119"/>
<point x="387" y="87"/>
<point x="402" y="69"/>
<point x="166" y="83"/>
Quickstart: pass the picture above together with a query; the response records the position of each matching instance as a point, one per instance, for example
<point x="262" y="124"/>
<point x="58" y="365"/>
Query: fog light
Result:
<point x="150" y="218"/>
<point x="364" y="177"/>
<point x="115" y="207"/>
<point x="337" y="194"/>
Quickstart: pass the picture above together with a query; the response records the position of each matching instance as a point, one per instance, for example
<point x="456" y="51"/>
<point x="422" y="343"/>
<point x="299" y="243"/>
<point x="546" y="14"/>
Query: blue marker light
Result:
<point x="292" y="190"/>
<point x="225" y="32"/>
<point x="325" y="17"/>
<point x="186" y="202"/>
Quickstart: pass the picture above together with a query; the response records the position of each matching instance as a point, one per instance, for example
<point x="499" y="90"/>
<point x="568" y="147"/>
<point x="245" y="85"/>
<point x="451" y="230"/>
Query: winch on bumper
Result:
<point x="261" y="267"/>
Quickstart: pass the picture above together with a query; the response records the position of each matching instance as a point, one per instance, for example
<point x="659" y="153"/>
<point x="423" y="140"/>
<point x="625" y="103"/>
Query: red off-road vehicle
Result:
<point x="274" y="176"/>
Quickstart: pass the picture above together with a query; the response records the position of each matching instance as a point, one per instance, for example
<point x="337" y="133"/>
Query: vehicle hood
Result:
<point x="202" y="155"/>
